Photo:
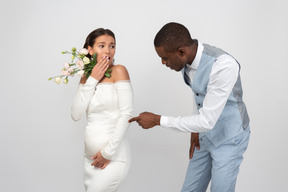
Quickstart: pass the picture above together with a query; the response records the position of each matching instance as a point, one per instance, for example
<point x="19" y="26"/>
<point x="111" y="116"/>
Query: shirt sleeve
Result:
<point x="222" y="79"/>
<point x="83" y="97"/>
<point x="125" y="101"/>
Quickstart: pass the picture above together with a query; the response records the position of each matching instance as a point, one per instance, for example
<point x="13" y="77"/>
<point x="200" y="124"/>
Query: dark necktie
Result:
<point x="186" y="78"/>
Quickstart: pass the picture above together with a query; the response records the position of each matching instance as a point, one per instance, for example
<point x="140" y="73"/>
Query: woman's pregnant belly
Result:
<point x="97" y="135"/>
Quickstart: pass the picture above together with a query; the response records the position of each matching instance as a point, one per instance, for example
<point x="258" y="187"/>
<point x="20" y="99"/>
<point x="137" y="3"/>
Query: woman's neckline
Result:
<point x="111" y="83"/>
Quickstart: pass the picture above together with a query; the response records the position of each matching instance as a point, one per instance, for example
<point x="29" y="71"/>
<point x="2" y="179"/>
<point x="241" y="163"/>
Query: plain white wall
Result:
<point x="41" y="147"/>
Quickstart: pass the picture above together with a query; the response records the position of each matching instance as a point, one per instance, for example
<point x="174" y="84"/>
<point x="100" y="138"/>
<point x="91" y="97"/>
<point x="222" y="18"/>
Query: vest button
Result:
<point x="197" y="94"/>
<point x="199" y="104"/>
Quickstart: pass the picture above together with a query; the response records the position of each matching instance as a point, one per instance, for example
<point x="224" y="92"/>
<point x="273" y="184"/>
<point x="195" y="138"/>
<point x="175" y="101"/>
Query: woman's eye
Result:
<point x="101" y="46"/>
<point x="112" y="46"/>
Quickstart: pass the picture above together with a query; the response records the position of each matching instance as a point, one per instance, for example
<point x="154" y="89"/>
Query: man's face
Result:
<point x="173" y="60"/>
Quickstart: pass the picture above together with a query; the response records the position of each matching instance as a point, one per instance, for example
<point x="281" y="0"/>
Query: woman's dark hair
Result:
<point x="172" y="36"/>
<point x="90" y="39"/>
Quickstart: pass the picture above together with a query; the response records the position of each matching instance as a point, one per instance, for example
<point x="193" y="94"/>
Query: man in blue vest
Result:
<point x="220" y="128"/>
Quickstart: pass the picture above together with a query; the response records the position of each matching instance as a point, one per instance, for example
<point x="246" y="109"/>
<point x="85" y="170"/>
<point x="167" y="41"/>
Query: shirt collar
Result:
<point x="197" y="58"/>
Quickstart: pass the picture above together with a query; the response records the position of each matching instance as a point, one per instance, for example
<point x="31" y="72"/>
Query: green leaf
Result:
<point x="95" y="58"/>
<point x="108" y="73"/>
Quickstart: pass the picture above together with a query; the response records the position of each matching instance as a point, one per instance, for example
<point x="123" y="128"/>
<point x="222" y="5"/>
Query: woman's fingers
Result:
<point x="103" y="63"/>
<point x="100" y="68"/>
<point x="99" y="161"/>
<point x="96" y="163"/>
<point x="105" y="165"/>
<point x="100" y="165"/>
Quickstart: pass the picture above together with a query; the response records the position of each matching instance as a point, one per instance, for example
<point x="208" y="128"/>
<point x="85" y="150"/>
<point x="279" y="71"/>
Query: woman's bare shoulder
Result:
<point x="120" y="72"/>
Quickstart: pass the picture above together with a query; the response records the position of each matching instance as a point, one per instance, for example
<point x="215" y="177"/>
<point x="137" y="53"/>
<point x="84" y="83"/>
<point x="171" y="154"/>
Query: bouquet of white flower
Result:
<point x="83" y="66"/>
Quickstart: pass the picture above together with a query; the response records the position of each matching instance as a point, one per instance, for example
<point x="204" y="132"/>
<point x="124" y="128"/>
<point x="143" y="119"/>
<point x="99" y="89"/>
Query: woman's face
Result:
<point x="104" y="46"/>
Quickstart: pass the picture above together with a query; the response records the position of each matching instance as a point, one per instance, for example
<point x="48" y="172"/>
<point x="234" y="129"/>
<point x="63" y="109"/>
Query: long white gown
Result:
<point x="108" y="107"/>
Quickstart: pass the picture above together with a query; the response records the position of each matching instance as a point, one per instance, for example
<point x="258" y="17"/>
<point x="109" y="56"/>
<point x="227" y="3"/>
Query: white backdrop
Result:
<point x="41" y="147"/>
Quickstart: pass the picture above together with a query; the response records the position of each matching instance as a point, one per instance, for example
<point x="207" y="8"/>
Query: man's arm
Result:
<point x="147" y="120"/>
<point x="223" y="77"/>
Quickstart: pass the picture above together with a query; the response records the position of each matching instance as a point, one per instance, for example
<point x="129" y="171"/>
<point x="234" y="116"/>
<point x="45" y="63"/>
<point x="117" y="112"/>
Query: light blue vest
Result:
<point x="234" y="118"/>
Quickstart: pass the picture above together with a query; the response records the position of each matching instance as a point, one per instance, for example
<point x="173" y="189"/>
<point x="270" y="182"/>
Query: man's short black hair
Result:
<point x="172" y="36"/>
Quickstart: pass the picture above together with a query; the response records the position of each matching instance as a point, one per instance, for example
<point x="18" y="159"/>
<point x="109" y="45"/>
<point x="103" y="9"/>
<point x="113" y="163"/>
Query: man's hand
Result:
<point x="194" y="142"/>
<point x="146" y="120"/>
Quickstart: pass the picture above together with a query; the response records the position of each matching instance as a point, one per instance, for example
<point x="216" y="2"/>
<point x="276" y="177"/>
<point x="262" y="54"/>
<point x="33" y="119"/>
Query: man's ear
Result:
<point x="181" y="51"/>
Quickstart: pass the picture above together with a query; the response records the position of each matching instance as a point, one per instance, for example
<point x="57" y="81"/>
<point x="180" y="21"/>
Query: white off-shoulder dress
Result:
<point x="108" y="107"/>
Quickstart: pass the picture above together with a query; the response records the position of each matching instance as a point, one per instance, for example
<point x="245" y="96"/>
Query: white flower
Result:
<point x="80" y="73"/>
<point x="80" y="64"/>
<point x="86" y="60"/>
<point x="65" y="72"/>
<point x="57" y="80"/>
<point x="65" y="81"/>
<point x="70" y="69"/>
<point x="66" y="65"/>
<point x="83" y="51"/>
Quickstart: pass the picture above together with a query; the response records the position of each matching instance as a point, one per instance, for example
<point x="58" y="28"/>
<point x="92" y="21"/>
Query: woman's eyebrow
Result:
<point x="105" y="42"/>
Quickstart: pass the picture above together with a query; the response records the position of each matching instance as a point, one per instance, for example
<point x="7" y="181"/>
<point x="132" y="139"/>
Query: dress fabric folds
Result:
<point x="108" y="107"/>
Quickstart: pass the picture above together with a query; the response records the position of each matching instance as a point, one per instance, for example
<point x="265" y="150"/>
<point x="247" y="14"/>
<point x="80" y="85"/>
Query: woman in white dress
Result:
<point x="107" y="103"/>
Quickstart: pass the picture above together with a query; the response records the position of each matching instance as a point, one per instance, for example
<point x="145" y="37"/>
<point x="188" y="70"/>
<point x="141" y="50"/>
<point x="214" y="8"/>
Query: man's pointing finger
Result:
<point x="133" y="119"/>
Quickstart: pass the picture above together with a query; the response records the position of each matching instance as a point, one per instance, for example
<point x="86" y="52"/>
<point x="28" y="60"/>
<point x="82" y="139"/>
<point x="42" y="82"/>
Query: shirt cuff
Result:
<point x="89" y="84"/>
<point x="164" y="121"/>
<point x="105" y="155"/>
<point x="91" y="81"/>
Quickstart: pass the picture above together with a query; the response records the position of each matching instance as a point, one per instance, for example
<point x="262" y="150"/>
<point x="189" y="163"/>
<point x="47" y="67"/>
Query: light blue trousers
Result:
<point x="218" y="164"/>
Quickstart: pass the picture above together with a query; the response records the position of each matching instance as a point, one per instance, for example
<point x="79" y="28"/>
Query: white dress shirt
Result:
<point x="223" y="76"/>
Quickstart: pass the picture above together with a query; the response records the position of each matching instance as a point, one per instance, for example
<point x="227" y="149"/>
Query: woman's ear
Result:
<point x="90" y="50"/>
